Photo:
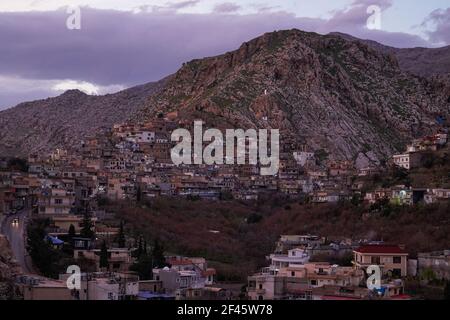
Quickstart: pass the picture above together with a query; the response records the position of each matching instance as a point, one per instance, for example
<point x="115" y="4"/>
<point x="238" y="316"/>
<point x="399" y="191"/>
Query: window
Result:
<point x="292" y="273"/>
<point x="314" y="282"/>
<point x="260" y="286"/>
<point x="58" y="201"/>
<point x="375" y="260"/>
<point x="397" y="260"/>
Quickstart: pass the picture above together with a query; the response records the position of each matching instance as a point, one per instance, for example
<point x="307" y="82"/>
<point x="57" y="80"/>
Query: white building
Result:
<point x="295" y="257"/>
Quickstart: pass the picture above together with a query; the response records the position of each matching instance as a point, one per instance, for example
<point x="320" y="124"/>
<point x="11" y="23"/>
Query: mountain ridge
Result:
<point x="339" y="95"/>
<point x="325" y="91"/>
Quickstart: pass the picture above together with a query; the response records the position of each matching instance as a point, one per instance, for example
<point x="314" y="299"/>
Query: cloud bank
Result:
<point x="116" y="49"/>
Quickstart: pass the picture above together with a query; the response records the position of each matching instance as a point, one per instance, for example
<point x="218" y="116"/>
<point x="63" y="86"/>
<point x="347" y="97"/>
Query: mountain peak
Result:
<point x="74" y="92"/>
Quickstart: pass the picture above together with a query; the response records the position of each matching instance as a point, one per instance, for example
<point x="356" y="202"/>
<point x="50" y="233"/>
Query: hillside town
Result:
<point x="131" y="162"/>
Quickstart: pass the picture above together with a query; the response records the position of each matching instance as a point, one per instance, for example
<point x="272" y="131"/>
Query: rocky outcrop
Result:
<point x="424" y="62"/>
<point x="63" y="121"/>
<point x="353" y="99"/>
<point x="8" y="268"/>
<point x="330" y="93"/>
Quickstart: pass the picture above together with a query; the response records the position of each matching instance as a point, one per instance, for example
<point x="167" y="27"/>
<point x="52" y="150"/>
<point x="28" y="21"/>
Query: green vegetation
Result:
<point x="322" y="155"/>
<point x="48" y="260"/>
<point x="87" y="228"/>
<point x="17" y="164"/>
<point x="247" y="231"/>
<point x="121" y="241"/>
<point x="146" y="261"/>
<point x="104" y="256"/>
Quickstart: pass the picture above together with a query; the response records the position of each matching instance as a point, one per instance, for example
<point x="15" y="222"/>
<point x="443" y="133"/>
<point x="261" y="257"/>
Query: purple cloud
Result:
<point x="440" y="19"/>
<point x="226" y="7"/>
<point x="123" y="48"/>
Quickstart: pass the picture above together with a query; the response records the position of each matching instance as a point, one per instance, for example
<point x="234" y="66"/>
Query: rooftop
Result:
<point x="383" y="249"/>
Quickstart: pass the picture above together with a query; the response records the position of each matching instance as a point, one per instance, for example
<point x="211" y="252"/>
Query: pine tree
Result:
<point x="71" y="233"/>
<point x="121" y="236"/>
<point x="86" y="230"/>
<point x="447" y="290"/>
<point x="138" y="252"/>
<point x="104" y="256"/>
<point x="138" y="194"/>
<point x="159" y="261"/>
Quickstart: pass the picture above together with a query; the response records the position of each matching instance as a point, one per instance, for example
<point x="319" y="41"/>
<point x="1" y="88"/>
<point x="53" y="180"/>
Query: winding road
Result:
<point x="15" y="232"/>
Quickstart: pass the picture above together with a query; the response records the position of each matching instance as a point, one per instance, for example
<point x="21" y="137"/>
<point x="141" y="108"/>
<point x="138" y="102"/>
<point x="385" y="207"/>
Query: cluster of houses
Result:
<point x="414" y="155"/>
<point x="132" y="161"/>
<point x="292" y="274"/>
<point x="182" y="279"/>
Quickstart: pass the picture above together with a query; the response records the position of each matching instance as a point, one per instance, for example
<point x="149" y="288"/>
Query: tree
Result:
<point x="139" y="249"/>
<point x="143" y="267"/>
<point x="159" y="261"/>
<point x="17" y="164"/>
<point x="86" y="230"/>
<point x="104" y="256"/>
<point x="72" y="233"/>
<point x="44" y="257"/>
<point x="447" y="290"/>
<point x="121" y="241"/>
<point x="139" y="194"/>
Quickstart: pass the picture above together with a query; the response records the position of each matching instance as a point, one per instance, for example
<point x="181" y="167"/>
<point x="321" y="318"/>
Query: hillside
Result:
<point x="64" y="120"/>
<point x="241" y="242"/>
<point x="328" y="92"/>
<point x="425" y="62"/>
<point x="332" y="93"/>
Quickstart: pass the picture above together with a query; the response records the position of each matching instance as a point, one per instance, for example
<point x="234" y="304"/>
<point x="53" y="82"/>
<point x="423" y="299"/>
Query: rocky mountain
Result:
<point x="339" y="96"/>
<point x="331" y="93"/>
<point x="425" y="62"/>
<point x="64" y="120"/>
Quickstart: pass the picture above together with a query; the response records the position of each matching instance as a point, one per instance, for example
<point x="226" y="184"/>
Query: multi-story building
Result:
<point x="390" y="258"/>
<point x="57" y="197"/>
<point x="408" y="160"/>
<point x="119" y="259"/>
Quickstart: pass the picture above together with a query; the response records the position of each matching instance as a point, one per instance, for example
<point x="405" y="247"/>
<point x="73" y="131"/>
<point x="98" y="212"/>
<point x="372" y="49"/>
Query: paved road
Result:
<point x="16" y="236"/>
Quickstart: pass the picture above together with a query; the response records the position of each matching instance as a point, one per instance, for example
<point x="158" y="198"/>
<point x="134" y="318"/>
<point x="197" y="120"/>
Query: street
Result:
<point x="15" y="233"/>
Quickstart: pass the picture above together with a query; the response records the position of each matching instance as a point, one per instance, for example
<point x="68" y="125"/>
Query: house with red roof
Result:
<point x="392" y="259"/>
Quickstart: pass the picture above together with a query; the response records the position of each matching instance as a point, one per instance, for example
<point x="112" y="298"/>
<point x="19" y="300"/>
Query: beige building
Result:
<point x="391" y="258"/>
<point x="408" y="160"/>
<point x="63" y="222"/>
<point x="57" y="197"/>
<point x="40" y="288"/>
<point x="119" y="259"/>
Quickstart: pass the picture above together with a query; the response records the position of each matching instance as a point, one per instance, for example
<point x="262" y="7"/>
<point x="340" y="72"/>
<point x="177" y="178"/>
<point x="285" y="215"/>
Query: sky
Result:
<point x="103" y="46"/>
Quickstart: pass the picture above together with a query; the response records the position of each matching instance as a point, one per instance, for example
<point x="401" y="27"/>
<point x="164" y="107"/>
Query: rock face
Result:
<point x="346" y="97"/>
<point x="8" y="268"/>
<point x="64" y="120"/>
<point x="331" y="93"/>
<point x="424" y="62"/>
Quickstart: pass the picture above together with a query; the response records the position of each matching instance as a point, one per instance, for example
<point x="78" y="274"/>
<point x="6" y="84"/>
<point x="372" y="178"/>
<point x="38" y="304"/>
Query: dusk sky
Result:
<point x="125" y="43"/>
